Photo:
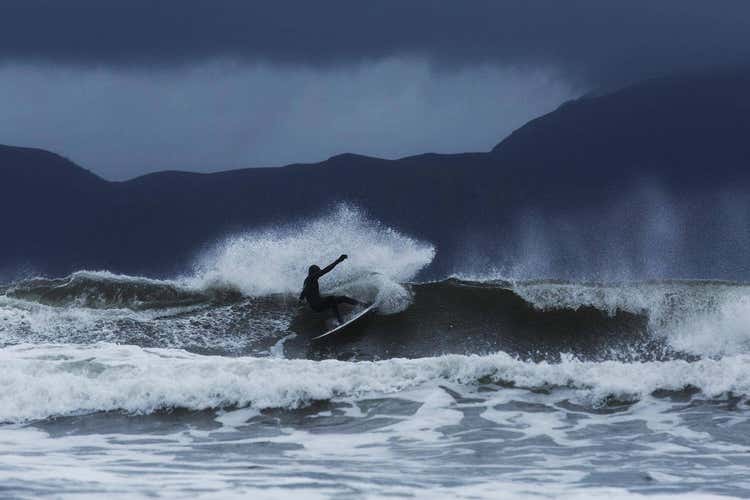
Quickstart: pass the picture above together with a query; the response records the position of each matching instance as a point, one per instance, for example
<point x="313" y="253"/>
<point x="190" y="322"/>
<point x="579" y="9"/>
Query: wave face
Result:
<point x="533" y="320"/>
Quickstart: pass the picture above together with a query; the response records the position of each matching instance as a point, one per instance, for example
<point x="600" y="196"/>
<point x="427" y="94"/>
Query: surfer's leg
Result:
<point x="336" y="311"/>
<point x="342" y="299"/>
<point x="332" y="303"/>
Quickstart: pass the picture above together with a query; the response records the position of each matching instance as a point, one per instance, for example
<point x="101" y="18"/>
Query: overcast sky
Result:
<point x="125" y="88"/>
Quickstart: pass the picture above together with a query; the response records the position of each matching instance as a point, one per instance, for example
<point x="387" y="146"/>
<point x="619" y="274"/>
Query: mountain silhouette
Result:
<point x="644" y="166"/>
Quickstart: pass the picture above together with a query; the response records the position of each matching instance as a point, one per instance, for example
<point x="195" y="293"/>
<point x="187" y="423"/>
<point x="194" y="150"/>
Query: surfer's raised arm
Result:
<point x="311" y="291"/>
<point x="333" y="264"/>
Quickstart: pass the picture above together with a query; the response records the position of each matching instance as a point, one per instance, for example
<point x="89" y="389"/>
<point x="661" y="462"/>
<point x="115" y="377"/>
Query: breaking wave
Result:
<point x="97" y="341"/>
<point x="69" y="380"/>
<point x="275" y="260"/>
<point x="539" y="320"/>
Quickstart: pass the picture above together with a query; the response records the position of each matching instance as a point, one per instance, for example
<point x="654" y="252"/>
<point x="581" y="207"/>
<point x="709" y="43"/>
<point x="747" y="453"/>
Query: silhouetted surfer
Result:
<point x="311" y="290"/>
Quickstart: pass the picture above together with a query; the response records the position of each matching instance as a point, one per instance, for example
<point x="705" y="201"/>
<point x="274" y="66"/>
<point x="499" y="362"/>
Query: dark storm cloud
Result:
<point x="132" y="86"/>
<point x="596" y="39"/>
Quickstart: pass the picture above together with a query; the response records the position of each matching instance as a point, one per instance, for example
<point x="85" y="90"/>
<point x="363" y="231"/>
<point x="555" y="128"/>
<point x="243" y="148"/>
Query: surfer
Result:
<point x="311" y="291"/>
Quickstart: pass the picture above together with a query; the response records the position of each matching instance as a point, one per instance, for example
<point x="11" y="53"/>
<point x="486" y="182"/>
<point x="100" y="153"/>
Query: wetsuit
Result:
<point x="311" y="291"/>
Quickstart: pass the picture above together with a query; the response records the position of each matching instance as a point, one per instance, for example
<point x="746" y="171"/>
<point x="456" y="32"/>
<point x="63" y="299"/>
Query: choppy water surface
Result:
<point x="442" y="439"/>
<point x="208" y="385"/>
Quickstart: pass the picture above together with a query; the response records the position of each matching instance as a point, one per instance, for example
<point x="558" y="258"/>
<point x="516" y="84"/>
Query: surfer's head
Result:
<point x="313" y="269"/>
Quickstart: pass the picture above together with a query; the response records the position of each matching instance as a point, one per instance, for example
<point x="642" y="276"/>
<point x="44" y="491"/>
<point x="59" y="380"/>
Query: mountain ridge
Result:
<point x="579" y="163"/>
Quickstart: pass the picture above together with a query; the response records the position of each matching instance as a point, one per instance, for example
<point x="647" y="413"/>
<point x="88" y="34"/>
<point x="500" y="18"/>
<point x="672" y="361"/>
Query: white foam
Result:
<point x="276" y="260"/>
<point x="104" y="275"/>
<point x="46" y="380"/>
<point x="277" y="350"/>
<point x="236" y="418"/>
<point x="703" y="318"/>
<point x="23" y="321"/>
<point x="725" y="329"/>
<point x="528" y="491"/>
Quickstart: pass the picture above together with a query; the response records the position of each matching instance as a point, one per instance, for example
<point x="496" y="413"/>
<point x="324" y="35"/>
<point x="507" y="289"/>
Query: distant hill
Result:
<point x="653" y="177"/>
<point x="672" y="128"/>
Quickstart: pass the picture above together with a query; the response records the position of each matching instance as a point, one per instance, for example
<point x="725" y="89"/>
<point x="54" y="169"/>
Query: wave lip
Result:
<point x="55" y="380"/>
<point x="535" y="320"/>
<point x="695" y="317"/>
<point x="105" y="290"/>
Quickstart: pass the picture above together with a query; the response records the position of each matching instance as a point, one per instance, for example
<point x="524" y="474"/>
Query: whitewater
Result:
<point x="471" y="385"/>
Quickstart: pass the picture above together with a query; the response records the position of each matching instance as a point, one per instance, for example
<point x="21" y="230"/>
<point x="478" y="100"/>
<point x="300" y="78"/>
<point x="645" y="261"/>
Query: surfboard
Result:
<point x="346" y="323"/>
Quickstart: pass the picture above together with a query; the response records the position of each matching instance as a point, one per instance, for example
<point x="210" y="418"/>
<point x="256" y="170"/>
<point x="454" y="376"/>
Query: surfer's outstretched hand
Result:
<point x="343" y="257"/>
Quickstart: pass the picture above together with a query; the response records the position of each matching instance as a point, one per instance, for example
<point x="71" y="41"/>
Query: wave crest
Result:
<point x="276" y="260"/>
<point x="66" y="380"/>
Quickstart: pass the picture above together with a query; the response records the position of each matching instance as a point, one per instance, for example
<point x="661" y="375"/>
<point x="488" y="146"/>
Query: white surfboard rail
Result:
<point x="347" y="322"/>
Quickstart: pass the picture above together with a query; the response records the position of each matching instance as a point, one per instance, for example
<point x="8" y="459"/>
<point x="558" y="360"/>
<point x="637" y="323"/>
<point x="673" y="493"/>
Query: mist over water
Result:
<point x="645" y="232"/>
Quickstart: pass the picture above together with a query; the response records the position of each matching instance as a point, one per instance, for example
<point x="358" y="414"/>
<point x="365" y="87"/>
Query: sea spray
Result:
<point x="275" y="260"/>
<point x="696" y="317"/>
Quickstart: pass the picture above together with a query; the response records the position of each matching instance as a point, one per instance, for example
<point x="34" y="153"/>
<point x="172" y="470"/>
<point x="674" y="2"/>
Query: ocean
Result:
<point x="476" y="384"/>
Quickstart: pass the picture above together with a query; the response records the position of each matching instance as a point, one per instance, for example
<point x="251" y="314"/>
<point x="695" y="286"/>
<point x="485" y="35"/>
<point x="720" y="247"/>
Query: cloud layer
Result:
<point x="220" y="115"/>
<point x="131" y="87"/>
<point x="603" y="41"/>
